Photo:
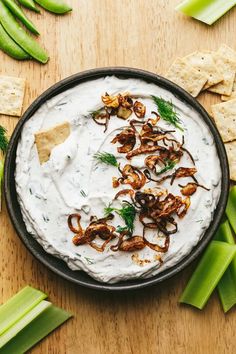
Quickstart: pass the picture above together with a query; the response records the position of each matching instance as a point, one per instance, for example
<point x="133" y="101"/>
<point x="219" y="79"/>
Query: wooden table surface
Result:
<point x="146" y="34"/>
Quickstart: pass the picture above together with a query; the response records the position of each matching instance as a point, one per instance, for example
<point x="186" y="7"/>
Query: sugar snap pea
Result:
<point x="55" y="6"/>
<point x="16" y="10"/>
<point x="21" y="37"/>
<point x="10" y="47"/>
<point x="29" y="4"/>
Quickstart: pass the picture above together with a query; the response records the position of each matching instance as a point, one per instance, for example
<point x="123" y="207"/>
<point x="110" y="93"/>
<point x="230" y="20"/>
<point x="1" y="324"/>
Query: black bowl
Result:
<point x="58" y="266"/>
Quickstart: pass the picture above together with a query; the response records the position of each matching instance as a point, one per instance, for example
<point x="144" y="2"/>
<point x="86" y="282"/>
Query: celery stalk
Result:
<point x="23" y="322"/>
<point x="18" y="306"/>
<point x="207" y="11"/>
<point x="39" y="328"/>
<point x="209" y="271"/>
<point x="227" y="284"/>
<point x="224" y="233"/>
<point x="231" y="208"/>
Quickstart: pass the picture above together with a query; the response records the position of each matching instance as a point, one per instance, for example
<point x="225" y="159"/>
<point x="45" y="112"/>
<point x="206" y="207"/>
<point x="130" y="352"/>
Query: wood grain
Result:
<point x="143" y="34"/>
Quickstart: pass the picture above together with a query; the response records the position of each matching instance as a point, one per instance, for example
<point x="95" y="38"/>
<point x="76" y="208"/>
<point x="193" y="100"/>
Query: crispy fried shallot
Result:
<point x="127" y="139"/>
<point x="144" y="149"/>
<point x="110" y="101"/>
<point x="78" y="239"/>
<point x="96" y="228"/>
<point x="115" y="182"/>
<point x="157" y="213"/>
<point x="184" y="208"/>
<point x="139" y="109"/>
<point x="101" y="118"/>
<point x="179" y="173"/>
<point x="123" y="192"/>
<point x="160" y="180"/>
<point x="123" y="112"/>
<point x="125" y="100"/>
<point x="133" y="176"/>
<point x="154" y="120"/>
<point x="99" y="229"/>
<point x="171" y="154"/>
<point x="155" y="247"/>
<point x="133" y="243"/>
<point x="153" y="160"/>
<point x="183" y="172"/>
<point x="190" y="188"/>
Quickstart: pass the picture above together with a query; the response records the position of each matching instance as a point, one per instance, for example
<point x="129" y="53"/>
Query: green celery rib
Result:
<point x="207" y="11"/>
<point x="231" y="208"/>
<point x="209" y="271"/>
<point x="18" y="306"/>
<point x="224" y="233"/>
<point x="23" y="322"/>
<point x="39" y="328"/>
<point x="227" y="284"/>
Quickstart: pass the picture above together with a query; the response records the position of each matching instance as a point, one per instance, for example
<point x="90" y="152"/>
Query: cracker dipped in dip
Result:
<point x="117" y="177"/>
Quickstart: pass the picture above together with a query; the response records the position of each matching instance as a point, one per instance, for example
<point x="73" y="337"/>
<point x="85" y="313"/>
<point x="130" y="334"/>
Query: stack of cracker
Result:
<point x="213" y="72"/>
<point x="206" y="70"/>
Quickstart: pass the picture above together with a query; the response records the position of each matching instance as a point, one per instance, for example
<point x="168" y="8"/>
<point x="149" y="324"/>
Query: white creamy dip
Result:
<point x="73" y="182"/>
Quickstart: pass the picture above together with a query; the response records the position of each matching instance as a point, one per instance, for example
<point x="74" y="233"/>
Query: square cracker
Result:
<point x="224" y="115"/>
<point x="205" y="64"/>
<point x="233" y="93"/>
<point x="12" y="90"/>
<point x="225" y="59"/>
<point x="227" y="52"/>
<point x="46" y="140"/>
<point x="231" y="153"/>
<point x="186" y="76"/>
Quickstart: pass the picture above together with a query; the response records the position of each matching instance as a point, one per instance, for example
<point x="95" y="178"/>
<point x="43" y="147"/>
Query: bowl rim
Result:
<point x="58" y="266"/>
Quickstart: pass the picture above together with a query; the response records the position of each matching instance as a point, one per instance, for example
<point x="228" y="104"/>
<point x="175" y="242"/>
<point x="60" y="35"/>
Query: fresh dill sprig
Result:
<point x="127" y="213"/>
<point x="3" y="140"/>
<point x="169" y="166"/>
<point x="108" y="210"/>
<point x="167" y="111"/>
<point x="120" y="229"/>
<point x="107" y="158"/>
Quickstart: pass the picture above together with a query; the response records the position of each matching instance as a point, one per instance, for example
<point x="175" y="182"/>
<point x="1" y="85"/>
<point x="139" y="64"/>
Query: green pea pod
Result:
<point x="29" y="4"/>
<point x="55" y="6"/>
<point x="10" y="47"/>
<point x="20" y="36"/>
<point x="16" y="10"/>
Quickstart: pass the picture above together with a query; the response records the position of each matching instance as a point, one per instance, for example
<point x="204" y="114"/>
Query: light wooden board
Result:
<point x="146" y="34"/>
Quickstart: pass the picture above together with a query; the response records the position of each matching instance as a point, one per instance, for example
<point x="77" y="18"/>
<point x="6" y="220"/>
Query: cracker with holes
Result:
<point x="46" y="140"/>
<point x="204" y="63"/>
<point x="233" y="93"/>
<point x="187" y="77"/>
<point x="231" y="153"/>
<point x="12" y="90"/>
<point x="224" y="115"/>
<point x="225" y="59"/>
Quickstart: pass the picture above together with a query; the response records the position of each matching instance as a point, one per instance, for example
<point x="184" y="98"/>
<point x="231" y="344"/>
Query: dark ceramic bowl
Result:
<point x="58" y="266"/>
